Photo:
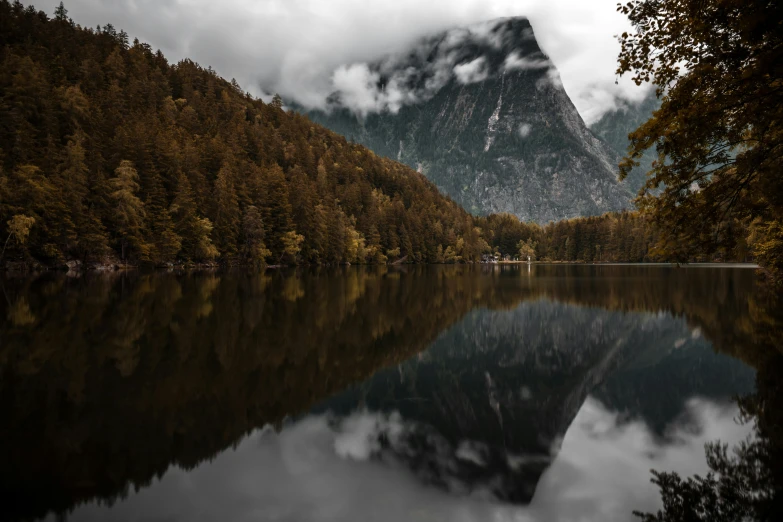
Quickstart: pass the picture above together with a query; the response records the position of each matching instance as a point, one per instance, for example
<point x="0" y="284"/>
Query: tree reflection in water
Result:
<point x="107" y="381"/>
<point x="745" y="481"/>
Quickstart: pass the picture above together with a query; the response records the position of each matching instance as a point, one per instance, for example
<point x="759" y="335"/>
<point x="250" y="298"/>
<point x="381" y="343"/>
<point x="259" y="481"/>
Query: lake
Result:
<point x="453" y="393"/>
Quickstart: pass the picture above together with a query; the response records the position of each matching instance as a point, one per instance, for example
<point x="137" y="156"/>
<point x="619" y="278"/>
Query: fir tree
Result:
<point x="227" y="214"/>
<point x="164" y="241"/>
<point x="196" y="243"/>
<point x="129" y="210"/>
<point x="253" y="230"/>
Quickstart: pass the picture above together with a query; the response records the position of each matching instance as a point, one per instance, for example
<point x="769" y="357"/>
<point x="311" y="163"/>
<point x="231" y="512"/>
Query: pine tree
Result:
<point x="227" y="213"/>
<point x="84" y="224"/>
<point x="61" y="13"/>
<point x="196" y="244"/>
<point x="303" y="197"/>
<point x="129" y="210"/>
<point x="277" y="215"/>
<point x="164" y="241"/>
<point x="406" y="246"/>
<point x="253" y="230"/>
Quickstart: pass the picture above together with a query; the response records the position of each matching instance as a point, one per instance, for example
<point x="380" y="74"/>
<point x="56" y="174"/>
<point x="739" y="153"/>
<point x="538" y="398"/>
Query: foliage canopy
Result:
<point x="718" y="67"/>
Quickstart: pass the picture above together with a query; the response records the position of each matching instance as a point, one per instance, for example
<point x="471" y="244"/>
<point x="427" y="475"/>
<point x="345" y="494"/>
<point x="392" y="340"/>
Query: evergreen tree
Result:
<point x="129" y="210"/>
<point x="253" y="230"/>
<point x="196" y="244"/>
<point x="84" y="224"/>
<point x="227" y="214"/>
<point x="61" y="13"/>
<point x="277" y="215"/>
<point x="164" y="241"/>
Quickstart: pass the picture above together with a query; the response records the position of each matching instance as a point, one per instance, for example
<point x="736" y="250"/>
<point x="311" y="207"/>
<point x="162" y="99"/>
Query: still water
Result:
<point x="390" y="394"/>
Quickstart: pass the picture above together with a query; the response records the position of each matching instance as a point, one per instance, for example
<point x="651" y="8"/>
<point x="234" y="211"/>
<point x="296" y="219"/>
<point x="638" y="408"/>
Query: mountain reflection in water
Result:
<point x="316" y="470"/>
<point x="453" y="393"/>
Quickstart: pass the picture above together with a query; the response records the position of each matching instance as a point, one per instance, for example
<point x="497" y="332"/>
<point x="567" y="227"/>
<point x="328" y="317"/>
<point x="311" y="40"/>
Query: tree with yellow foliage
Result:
<point x="19" y="228"/>
<point x="718" y="69"/>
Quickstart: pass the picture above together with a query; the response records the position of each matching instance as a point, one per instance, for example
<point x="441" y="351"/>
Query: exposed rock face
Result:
<point x="614" y="128"/>
<point x="485" y="117"/>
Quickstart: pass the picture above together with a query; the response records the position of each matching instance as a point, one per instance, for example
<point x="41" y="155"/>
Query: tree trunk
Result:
<point x="5" y="245"/>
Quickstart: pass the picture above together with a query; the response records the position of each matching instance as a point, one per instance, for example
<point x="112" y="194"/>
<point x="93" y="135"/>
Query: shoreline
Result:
<point x="79" y="268"/>
<point x="702" y="264"/>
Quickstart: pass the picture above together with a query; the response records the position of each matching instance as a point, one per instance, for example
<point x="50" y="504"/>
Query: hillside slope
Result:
<point x="108" y="151"/>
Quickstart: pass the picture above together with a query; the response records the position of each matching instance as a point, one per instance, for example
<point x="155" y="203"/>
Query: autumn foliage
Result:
<point x="718" y="68"/>
<point x="117" y="154"/>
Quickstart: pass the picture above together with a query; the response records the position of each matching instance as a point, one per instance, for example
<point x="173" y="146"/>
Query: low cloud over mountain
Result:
<point x="307" y="49"/>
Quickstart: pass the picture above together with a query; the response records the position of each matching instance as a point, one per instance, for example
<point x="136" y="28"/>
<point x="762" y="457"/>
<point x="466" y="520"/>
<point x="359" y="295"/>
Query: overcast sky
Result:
<point x="294" y="47"/>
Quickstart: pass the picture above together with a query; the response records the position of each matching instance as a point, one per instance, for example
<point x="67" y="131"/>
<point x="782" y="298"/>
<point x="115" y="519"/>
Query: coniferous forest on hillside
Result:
<point x="110" y="154"/>
<point x="109" y="149"/>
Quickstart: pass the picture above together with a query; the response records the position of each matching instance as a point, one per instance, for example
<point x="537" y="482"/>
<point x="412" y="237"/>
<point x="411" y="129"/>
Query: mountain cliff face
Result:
<point x="481" y="112"/>
<point x="614" y="128"/>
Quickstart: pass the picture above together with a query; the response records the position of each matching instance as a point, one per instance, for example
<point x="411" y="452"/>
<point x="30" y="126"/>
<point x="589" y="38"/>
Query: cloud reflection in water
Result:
<point x="323" y="469"/>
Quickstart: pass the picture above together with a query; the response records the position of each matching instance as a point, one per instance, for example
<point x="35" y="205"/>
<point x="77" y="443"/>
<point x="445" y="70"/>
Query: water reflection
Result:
<point x="501" y="388"/>
<point x="108" y="381"/>
<point x="320" y="469"/>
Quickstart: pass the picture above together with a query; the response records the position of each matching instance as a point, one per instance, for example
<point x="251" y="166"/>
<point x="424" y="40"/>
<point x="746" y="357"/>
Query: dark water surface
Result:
<point x="444" y="393"/>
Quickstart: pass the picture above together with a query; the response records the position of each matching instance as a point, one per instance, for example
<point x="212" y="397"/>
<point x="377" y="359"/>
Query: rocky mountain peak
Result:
<point x="480" y="110"/>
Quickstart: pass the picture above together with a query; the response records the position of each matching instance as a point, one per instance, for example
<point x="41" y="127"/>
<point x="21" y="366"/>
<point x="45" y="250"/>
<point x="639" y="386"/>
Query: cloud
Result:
<point x="358" y="87"/>
<point x="516" y="62"/>
<point x="472" y="72"/>
<point x="524" y="131"/>
<point x="297" y="47"/>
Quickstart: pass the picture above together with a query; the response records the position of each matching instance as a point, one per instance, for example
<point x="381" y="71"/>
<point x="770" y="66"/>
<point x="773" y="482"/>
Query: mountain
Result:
<point x="108" y="153"/>
<point x="615" y="126"/>
<point x="482" y="113"/>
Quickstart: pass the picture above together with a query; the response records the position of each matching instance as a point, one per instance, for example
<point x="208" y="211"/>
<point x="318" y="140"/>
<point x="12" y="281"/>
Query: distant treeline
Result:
<point x="109" y="153"/>
<point x="627" y="237"/>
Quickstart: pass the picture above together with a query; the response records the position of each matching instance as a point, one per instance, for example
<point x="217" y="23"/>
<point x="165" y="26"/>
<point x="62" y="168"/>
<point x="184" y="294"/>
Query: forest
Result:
<point x="109" y="151"/>
<point x="109" y="154"/>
